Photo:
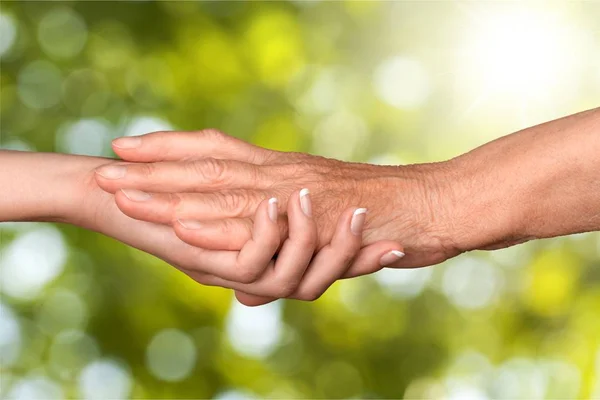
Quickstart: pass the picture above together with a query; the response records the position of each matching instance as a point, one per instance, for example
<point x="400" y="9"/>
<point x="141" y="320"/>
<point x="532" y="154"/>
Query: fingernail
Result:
<point x="136" y="195"/>
<point x="127" y="142"/>
<point x="273" y="209"/>
<point x="305" y="202"/>
<point x="112" y="171"/>
<point x="190" y="224"/>
<point x="391" y="257"/>
<point x="358" y="220"/>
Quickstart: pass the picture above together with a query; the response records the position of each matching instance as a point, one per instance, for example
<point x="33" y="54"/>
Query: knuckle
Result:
<point x="265" y="157"/>
<point x="210" y="169"/>
<point x="146" y="170"/>
<point x="285" y="289"/>
<point x="346" y="255"/>
<point x="240" y="203"/>
<point x="306" y="241"/>
<point x="228" y="226"/>
<point x="214" y="135"/>
<point x="304" y="168"/>
<point x="175" y="201"/>
<point x="231" y="201"/>
<point x="246" y="274"/>
<point x="310" y="294"/>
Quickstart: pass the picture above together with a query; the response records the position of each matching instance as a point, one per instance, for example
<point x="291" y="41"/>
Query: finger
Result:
<point x="298" y="249"/>
<point x="165" y="208"/>
<point x="209" y="174"/>
<point x="251" y="300"/>
<point x="330" y="264"/>
<point x="175" y="146"/>
<point x="372" y="258"/>
<point x="333" y="260"/>
<point x="282" y="279"/>
<point x="368" y="260"/>
<point x="248" y="264"/>
<point x="257" y="254"/>
<point x="226" y="234"/>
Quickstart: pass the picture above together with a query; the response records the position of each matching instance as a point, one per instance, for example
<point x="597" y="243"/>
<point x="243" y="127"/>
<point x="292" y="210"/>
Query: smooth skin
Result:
<point x="537" y="183"/>
<point x="61" y="188"/>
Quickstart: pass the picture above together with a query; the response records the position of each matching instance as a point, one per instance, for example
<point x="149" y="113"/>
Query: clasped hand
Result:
<point x="276" y="225"/>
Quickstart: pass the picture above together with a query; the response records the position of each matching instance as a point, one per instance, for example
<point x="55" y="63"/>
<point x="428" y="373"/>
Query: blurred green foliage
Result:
<point x="386" y="82"/>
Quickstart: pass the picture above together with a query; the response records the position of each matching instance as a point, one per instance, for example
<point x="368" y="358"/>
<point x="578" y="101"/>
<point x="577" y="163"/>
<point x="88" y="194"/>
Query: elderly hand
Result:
<point x="208" y="185"/>
<point x="71" y="195"/>
<point x="296" y="272"/>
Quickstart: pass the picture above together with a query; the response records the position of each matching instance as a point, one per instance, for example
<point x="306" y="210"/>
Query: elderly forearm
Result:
<point x="537" y="183"/>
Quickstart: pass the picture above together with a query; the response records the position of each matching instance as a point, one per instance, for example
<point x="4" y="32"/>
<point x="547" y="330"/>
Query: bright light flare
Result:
<point x="522" y="54"/>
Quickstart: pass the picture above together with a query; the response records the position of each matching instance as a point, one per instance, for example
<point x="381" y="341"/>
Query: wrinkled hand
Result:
<point x="208" y="185"/>
<point x="296" y="273"/>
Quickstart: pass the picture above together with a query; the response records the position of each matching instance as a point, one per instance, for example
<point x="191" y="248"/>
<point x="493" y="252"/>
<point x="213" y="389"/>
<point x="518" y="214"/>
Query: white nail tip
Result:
<point x="397" y="253"/>
<point x="359" y="211"/>
<point x="272" y="209"/>
<point x="390" y="257"/>
<point x="305" y="202"/>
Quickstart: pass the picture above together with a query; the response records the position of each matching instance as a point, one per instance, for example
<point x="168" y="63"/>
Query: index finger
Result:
<point x="208" y="174"/>
<point x="173" y="146"/>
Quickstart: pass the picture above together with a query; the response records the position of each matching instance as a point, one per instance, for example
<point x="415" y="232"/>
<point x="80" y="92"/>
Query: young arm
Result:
<point x="43" y="186"/>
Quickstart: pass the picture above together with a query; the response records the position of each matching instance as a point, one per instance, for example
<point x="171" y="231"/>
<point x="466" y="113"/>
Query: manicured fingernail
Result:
<point x="136" y="195"/>
<point x="190" y="224"/>
<point x="273" y="209"/>
<point x="112" y="171"/>
<point x="358" y="220"/>
<point x="127" y="142"/>
<point x="391" y="257"/>
<point x="305" y="202"/>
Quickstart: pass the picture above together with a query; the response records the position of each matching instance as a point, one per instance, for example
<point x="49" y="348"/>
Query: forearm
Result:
<point x="537" y="183"/>
<point x="44" y="186"/>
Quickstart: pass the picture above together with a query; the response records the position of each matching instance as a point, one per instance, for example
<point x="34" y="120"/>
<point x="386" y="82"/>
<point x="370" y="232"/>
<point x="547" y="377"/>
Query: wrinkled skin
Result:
<point x="210" y="177"/>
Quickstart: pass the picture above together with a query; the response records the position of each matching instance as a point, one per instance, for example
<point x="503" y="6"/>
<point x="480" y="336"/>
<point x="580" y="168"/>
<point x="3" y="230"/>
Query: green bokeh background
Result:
<point x="84" y="316"/>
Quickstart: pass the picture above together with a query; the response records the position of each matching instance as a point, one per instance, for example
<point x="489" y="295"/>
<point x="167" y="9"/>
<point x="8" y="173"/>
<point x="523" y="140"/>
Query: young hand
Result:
<point x="297" y="272"/>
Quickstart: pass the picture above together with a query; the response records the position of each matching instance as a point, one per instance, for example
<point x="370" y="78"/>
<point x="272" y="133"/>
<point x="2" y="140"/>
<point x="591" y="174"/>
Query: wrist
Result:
<point x="82" y="198"/>
<point x="440" y="191"/>
<point x="487" y="204"/>
<point x="440" y="210"/>
<point x="415" y="207"/>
